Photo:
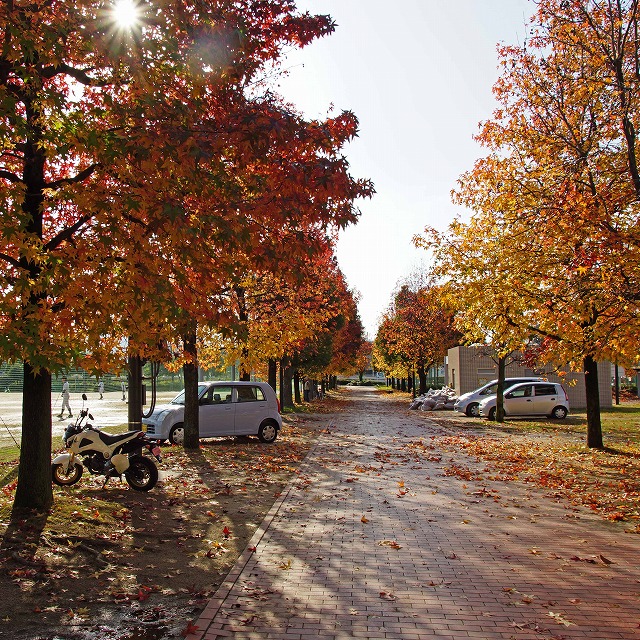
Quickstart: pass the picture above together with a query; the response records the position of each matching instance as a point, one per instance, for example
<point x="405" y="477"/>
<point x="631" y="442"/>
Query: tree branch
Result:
<point x="78" y="74"/>
<point x="67" y="233"/>
<point x="12" y="261"/>
<point x="10" y="176"/>
<point x="85" y="173"/>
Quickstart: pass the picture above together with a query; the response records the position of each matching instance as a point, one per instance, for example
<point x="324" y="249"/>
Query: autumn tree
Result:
<point x="363" y="358"/>
<point x="417" y="330"/>
<point x="555" y="200"/>
<point x="294" y="316"/>
<point x="126" y="155"/>
<point x="348" y="343"/>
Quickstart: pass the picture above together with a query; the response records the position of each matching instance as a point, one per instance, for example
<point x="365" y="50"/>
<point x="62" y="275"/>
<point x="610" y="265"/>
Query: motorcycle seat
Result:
<point x="112" y="438"/>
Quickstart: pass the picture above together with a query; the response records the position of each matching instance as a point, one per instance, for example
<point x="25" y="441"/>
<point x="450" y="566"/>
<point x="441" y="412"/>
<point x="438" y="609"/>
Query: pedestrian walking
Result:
<point x="307" y="390"/>
<point x="65" y="398"/>
<point x="101" y="388"/>
<point x="124" y="390"/>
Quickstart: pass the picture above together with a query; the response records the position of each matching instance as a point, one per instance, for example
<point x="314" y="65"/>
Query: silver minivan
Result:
<point x="530" y="399"/>
<point x="468" y="403"/>
<point x="226" y="409"/>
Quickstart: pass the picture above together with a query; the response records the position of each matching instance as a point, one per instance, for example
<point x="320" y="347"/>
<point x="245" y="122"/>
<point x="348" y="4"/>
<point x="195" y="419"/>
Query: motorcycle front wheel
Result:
<point x="65" y="478"/>
<point x="142" y="474"/>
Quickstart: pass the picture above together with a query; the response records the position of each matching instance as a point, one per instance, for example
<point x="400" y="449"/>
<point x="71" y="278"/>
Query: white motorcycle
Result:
<point x="106" y="454"/>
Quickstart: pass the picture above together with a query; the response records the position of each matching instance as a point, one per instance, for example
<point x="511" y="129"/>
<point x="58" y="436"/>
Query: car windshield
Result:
<point x="179" y="399"/>
<point x="491" y="390"/>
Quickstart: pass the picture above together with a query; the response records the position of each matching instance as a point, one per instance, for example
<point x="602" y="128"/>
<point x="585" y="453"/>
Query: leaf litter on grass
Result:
<point x="104" y="561"/>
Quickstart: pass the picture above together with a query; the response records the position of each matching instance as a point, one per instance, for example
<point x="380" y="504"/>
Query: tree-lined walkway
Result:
<point x="375" y="539"/>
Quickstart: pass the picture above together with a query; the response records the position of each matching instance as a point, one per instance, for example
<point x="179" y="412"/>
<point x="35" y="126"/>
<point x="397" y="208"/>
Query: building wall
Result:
<point x="468" y="368"/>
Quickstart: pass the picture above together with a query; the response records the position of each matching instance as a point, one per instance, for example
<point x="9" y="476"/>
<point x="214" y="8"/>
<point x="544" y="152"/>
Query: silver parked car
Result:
<point x="468" y="403"/>
<point x="226" y="409"/>
<point x="530" y="399"/>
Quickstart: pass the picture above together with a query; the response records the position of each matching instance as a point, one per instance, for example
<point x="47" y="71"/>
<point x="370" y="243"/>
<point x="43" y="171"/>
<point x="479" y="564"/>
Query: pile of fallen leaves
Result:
<point x="104" y="561"/>
<point x="606" y="481"/>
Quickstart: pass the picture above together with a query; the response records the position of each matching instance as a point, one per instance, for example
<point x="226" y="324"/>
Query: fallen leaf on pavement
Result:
<point x="390" y="543"/>
<point x="190" y="628"/>
<point x="560" y="620"/>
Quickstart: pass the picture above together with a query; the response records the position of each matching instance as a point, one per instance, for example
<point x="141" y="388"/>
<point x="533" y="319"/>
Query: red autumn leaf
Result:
<point x="189" y="629"/>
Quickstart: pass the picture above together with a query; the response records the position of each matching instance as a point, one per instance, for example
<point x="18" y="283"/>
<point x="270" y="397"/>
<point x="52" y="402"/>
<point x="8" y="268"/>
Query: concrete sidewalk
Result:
<point x="374" y="540"/>
<point x="109" y="412"/>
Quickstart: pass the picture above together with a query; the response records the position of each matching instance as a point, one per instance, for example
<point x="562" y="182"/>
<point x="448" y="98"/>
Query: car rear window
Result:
<point x="250" y="394"/>
<point x="546" y="390"/>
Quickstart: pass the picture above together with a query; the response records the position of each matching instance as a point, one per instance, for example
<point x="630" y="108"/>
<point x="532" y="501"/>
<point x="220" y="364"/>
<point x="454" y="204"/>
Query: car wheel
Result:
<point x="473" y="410"/>
<point x="492" y="413"/>
<point x="559" y="413"/>
<point x="176" y="435"/>
<point x="267" y="432"/>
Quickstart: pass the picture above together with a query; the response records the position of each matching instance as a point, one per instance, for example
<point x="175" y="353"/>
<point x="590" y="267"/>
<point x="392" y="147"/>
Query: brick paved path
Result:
<point x="373" y="541"/>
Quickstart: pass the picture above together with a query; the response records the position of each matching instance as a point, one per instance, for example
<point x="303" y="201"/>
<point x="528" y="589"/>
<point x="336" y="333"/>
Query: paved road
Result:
<point x="108" y="412"/>
<point x="374" y="540"/>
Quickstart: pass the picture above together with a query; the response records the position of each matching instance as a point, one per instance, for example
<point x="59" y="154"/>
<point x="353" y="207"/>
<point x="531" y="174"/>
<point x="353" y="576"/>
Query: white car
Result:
<point x="530" y="399"/>
<point x="226" y="409"/>
<point x="468" y="403"/>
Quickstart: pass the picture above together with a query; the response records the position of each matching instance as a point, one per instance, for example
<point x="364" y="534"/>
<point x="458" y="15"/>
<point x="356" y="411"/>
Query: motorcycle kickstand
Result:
<point x="107" y="475"/>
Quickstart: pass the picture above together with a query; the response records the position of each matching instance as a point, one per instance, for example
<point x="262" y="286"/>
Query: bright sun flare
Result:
<point x="125" y="12"/>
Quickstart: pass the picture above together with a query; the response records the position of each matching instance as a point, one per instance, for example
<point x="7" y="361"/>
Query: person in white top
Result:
<point x="100" y="388"/>
<point x="65" y="398"/>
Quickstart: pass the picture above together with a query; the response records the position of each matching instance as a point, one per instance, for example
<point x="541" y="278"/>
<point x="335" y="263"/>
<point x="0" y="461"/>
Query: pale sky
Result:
<point x="418" y="75"/>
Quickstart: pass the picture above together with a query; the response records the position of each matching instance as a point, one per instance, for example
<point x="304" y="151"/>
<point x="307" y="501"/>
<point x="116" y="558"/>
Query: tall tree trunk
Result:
<point x="296" y="387"/>
<point x="594" y="425"/>
<point x="273" y="373"/>
<point x="502" y="368"/>
<point x="134" y="380"/>
<point x="243" y="316"/>
<point x="422" y="376"/>
<point x="34" y="489"/>
<point x="287" y="379"/>
<point x="283" y="364"/>
<point x="191" y="404"/>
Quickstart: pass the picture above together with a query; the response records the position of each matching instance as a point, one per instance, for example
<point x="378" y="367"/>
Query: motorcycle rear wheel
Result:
<point x="142" y="474"/>
<point x="65" y="478"/>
